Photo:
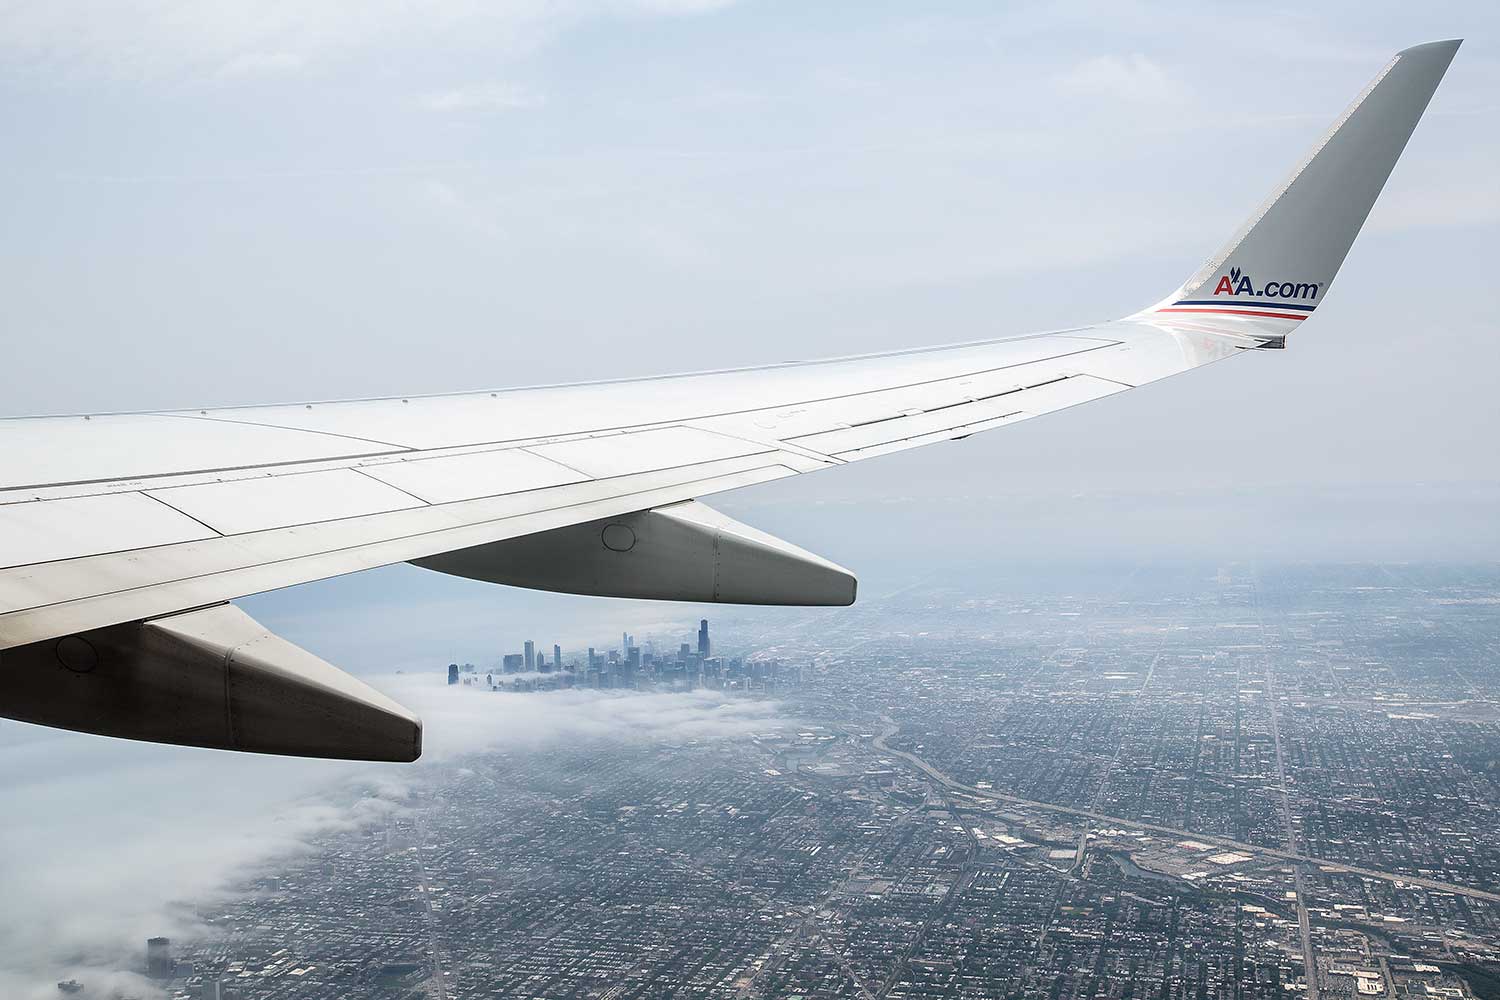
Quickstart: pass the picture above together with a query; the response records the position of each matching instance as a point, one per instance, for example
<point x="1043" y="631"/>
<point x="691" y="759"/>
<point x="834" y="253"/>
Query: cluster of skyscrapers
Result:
<point x="622" y="667"/>
<point x="631" y="666"/>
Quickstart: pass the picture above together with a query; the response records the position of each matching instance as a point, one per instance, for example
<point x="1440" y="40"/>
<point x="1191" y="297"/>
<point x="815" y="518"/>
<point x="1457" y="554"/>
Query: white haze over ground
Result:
<point x="107" y="842"/>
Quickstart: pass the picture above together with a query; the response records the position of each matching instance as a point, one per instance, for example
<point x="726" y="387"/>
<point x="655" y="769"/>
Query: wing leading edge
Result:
<point x="111" y="521"/>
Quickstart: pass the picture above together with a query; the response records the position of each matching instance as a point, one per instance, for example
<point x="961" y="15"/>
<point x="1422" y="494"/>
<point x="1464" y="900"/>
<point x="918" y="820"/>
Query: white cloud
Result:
<point x="1446" y="198"/>
<point x="104" y="837"/>
<point x="485" y="97"/>
<point x="677" y="6"/>
<point x="146" y="38"/>
<point x="461" y="719"/>
<point x="1135" y="78"/>
<point x="261" y="64"/>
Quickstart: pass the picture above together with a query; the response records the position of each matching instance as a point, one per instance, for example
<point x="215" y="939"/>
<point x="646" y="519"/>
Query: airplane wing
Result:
<point x="124" y="535"/>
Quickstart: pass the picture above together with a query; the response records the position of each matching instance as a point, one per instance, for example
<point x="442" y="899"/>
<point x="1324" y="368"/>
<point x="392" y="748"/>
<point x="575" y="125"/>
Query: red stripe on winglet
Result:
<point x="1235" y="312"/>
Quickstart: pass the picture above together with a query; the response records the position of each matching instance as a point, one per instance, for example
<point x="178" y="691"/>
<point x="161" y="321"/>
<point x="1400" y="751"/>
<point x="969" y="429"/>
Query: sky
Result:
<point x="222" y="203"/>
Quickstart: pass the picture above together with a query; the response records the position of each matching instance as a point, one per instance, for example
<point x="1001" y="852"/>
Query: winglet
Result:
<point x="1275" y="271"/>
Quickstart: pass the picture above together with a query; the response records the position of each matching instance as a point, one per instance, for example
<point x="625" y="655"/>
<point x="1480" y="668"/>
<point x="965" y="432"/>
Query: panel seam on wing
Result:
<point x="170" y="507"/>
<point x="285" y="427"/>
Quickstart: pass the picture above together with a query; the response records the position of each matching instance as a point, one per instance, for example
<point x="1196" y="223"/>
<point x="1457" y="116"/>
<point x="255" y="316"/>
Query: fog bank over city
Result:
<point x="954" y="774"/>
<point x="122" y="841"/>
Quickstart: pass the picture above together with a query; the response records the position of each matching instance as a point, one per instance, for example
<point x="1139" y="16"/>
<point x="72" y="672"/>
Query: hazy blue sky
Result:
<point x="218" y="202"/>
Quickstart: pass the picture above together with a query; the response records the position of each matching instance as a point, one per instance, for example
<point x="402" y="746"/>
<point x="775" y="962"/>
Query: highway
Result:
<point x="950" y="783"/>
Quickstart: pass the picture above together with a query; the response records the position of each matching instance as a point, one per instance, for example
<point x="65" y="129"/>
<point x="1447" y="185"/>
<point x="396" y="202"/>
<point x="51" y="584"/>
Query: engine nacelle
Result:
<point x="684" y="552"/>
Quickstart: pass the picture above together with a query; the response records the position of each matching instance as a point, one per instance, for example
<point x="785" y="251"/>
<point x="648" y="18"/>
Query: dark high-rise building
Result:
<point x="453" y="673"/>
<point x="632" y="666"/>
<point x="530" y="656"/>
<point x="556" y="657"/>
<point x="703" y="645"/>
<point x="159" y="958"/>
<point x="512" y="663"/>
<point x="592" y="661"/>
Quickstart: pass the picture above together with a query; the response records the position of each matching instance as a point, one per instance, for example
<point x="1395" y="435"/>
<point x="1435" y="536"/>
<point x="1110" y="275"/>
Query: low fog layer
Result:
<point x="107" y="842"/>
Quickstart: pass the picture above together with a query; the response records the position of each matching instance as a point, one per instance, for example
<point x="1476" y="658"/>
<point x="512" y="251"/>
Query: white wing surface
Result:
<point x="122" y="535"/>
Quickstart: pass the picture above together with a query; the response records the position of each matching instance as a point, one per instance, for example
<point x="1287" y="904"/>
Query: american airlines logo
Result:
<point x="1238" y="283"/>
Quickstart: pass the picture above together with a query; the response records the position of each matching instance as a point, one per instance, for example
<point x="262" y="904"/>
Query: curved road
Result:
<point x="953" y="784"/>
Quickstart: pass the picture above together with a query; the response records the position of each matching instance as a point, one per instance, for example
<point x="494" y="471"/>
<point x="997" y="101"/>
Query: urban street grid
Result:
<point x="1151" y="783"/>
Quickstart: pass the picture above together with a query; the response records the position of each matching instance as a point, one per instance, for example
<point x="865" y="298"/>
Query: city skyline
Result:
<point x="631" y="667"/>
